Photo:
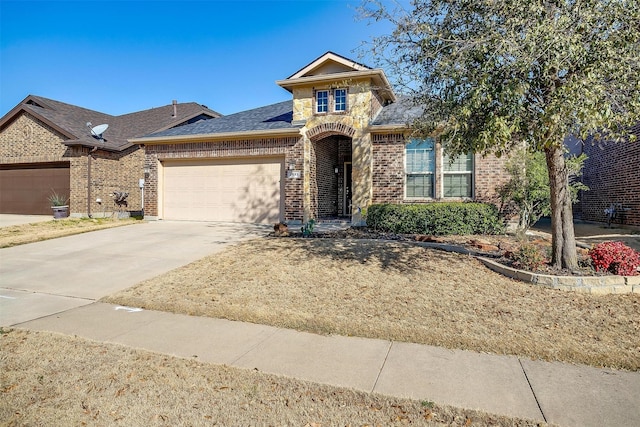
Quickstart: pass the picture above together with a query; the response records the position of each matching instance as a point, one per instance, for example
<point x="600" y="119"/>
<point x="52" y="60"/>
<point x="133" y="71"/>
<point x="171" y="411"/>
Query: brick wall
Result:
<point x="388" y="168"/>
<point x="291" y="148"/>
<point x="326" y="153"/>
<point x="388" y="172"/>
<point x="28" y="140"/>
<point x="490" y="174"/>
<point x="110" y="172"/>
<point x="612" y="172"/>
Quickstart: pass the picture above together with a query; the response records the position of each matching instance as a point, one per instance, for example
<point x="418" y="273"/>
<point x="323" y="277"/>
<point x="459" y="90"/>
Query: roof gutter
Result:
<point x="389" y="128"/>
<point x="80" y="143"/>
<point x="270" y="133"/>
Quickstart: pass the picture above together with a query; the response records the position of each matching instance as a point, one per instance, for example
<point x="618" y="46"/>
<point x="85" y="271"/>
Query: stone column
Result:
<point x="362" y="182"/>
<point x="306" y="176"/>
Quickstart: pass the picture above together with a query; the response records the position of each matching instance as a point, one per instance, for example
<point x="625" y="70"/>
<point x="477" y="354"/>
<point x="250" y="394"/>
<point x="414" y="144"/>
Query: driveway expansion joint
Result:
<point x="524" y="371"/>
<point x="384" y="362"/>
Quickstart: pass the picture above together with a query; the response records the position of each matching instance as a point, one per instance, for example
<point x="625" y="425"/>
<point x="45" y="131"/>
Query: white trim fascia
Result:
<point x="156" y="140"/>
<point x="336" y="77"/>
<point x="324" y="58"/>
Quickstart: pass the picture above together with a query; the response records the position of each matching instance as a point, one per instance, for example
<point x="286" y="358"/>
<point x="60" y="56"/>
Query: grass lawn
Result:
<point x="377" y="289"/>
<point x="39" y="231"/>
<point x="397" y="291"/>
<point x="49" y="379"/>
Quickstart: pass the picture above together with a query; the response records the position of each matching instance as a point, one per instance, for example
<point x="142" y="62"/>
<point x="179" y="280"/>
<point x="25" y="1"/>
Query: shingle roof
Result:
<point x="72" y="120"/>
<point x="279" y="116"/>
<point x="274" y="116"/>
<point x="402" y="113"/>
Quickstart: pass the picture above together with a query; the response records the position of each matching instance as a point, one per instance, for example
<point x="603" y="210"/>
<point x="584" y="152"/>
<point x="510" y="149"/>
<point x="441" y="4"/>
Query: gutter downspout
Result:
<point x="89" y="157"/>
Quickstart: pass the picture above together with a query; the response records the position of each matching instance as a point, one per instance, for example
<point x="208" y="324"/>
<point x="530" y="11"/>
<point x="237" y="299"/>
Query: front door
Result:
<point x="347" y="189"/>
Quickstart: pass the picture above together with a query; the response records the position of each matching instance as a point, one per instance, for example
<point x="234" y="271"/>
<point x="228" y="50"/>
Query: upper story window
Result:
<point x="322" y="101"/>
<point x="340" y="99"/>
<point x="457" y="179"/>
<point x="336" y="98"/>
<point x="420" y="168"/>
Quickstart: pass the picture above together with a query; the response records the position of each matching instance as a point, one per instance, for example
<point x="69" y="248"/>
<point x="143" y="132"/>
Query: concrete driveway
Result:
<point x="44" y="278"/>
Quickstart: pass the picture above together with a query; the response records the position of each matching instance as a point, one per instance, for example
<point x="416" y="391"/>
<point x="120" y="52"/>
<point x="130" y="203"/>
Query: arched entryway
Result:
<point x="330" y="171"/>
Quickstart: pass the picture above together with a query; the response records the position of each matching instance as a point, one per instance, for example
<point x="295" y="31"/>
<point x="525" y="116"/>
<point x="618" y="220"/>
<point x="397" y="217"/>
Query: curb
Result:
<point x="597" y="285"/>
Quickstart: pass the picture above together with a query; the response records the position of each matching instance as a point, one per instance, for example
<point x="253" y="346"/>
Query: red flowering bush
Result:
<point x="615" y="257"/>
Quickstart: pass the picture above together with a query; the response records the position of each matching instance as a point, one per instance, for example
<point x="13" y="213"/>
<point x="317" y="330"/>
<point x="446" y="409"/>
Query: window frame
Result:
<point x="470" y="172"/>
<point x="431" y="171"/>
<point x="335" y="100"/>
<point x="329" y="101"/>
<point x="326" y="99"/>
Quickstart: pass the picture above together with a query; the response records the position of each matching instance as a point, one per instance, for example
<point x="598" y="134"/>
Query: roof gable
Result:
<point x="329" y="63"/>
<point x="73" y="121"/>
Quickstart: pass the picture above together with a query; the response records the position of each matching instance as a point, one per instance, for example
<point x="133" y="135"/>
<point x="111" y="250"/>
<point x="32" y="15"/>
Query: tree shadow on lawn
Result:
<point x="402" y="257"/>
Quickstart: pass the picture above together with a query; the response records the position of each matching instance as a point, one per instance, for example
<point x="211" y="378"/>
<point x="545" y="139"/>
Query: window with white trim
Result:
<point x="340" y="100"/>
<point x="457" y="179"/>
<point x="420" y="168"/>
<point x="322" y="101"/>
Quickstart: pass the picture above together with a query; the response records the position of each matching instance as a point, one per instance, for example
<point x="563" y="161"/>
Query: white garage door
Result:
<point x="235" y="190"/>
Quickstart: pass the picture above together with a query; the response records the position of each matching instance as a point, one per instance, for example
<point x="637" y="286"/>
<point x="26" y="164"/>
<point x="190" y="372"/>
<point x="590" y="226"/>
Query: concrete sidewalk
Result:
<point x="562" y="394"/>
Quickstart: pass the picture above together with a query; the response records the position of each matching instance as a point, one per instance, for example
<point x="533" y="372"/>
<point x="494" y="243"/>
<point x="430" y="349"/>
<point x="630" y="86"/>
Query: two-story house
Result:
<point x="340" y="144"/>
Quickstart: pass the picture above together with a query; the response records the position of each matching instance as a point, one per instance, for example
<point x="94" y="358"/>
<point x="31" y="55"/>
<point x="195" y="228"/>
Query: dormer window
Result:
<point x="336" y="98"/>
<point x="340" y="99"/>
<point x="322" y="101"/>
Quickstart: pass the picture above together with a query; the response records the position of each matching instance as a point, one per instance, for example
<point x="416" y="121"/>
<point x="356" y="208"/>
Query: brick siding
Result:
<point x="388" y="168"/>
<point x="612" y="172"/>
<point x="29" y="140"/>
<point x="326" y="159"/>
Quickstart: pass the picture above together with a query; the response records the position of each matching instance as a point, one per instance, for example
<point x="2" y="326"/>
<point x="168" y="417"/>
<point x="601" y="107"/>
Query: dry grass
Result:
<point x="39" y="231"/>
<point x="397" y="291"/>
<point x="49" y="379"/>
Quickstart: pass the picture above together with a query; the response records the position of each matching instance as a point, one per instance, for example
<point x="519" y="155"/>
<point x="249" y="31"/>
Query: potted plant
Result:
<point x="59" y="205"/>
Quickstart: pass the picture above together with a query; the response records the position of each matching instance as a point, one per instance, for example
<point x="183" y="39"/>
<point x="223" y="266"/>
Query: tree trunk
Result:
<point x="564" y="254"/>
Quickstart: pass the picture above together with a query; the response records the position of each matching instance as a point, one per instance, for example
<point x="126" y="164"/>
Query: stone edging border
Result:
<point x="599" y="285"/>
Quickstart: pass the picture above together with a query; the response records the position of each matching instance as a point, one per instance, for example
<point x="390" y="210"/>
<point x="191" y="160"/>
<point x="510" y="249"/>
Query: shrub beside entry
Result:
<point x="440" y="219"/>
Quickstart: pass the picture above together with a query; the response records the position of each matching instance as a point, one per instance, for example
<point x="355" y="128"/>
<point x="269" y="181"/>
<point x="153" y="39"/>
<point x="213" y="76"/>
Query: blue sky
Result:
<point x="123" y="56"/>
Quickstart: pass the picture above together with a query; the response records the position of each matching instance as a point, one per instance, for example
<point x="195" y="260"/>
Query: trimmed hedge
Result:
<point x="457" y="218"/>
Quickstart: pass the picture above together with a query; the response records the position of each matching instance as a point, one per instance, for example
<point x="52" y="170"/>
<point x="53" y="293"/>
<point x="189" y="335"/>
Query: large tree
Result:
<point x="495" y="74"/>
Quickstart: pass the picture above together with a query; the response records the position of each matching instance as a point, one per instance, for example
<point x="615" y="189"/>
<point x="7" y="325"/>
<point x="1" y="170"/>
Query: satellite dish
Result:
<point x="97" y="131"/>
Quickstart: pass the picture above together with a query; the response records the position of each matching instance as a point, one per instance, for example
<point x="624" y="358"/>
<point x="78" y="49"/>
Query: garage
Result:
<point x="233" y="190"/>
<point x="25" y="188"/>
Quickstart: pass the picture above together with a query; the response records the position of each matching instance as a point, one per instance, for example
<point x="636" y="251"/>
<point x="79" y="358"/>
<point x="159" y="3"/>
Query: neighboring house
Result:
<point x="338" y="146"/>
<point x="612" y="173"/>
<point x="47" y="145"/>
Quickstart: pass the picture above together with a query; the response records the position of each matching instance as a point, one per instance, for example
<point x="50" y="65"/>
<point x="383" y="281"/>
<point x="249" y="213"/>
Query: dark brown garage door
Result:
<point x="25" y="189"/>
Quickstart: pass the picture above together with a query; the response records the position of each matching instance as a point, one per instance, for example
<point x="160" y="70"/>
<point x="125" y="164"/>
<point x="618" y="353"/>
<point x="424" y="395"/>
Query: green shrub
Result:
<point x="458" y="218"/>
<point x="529" y="257"/>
